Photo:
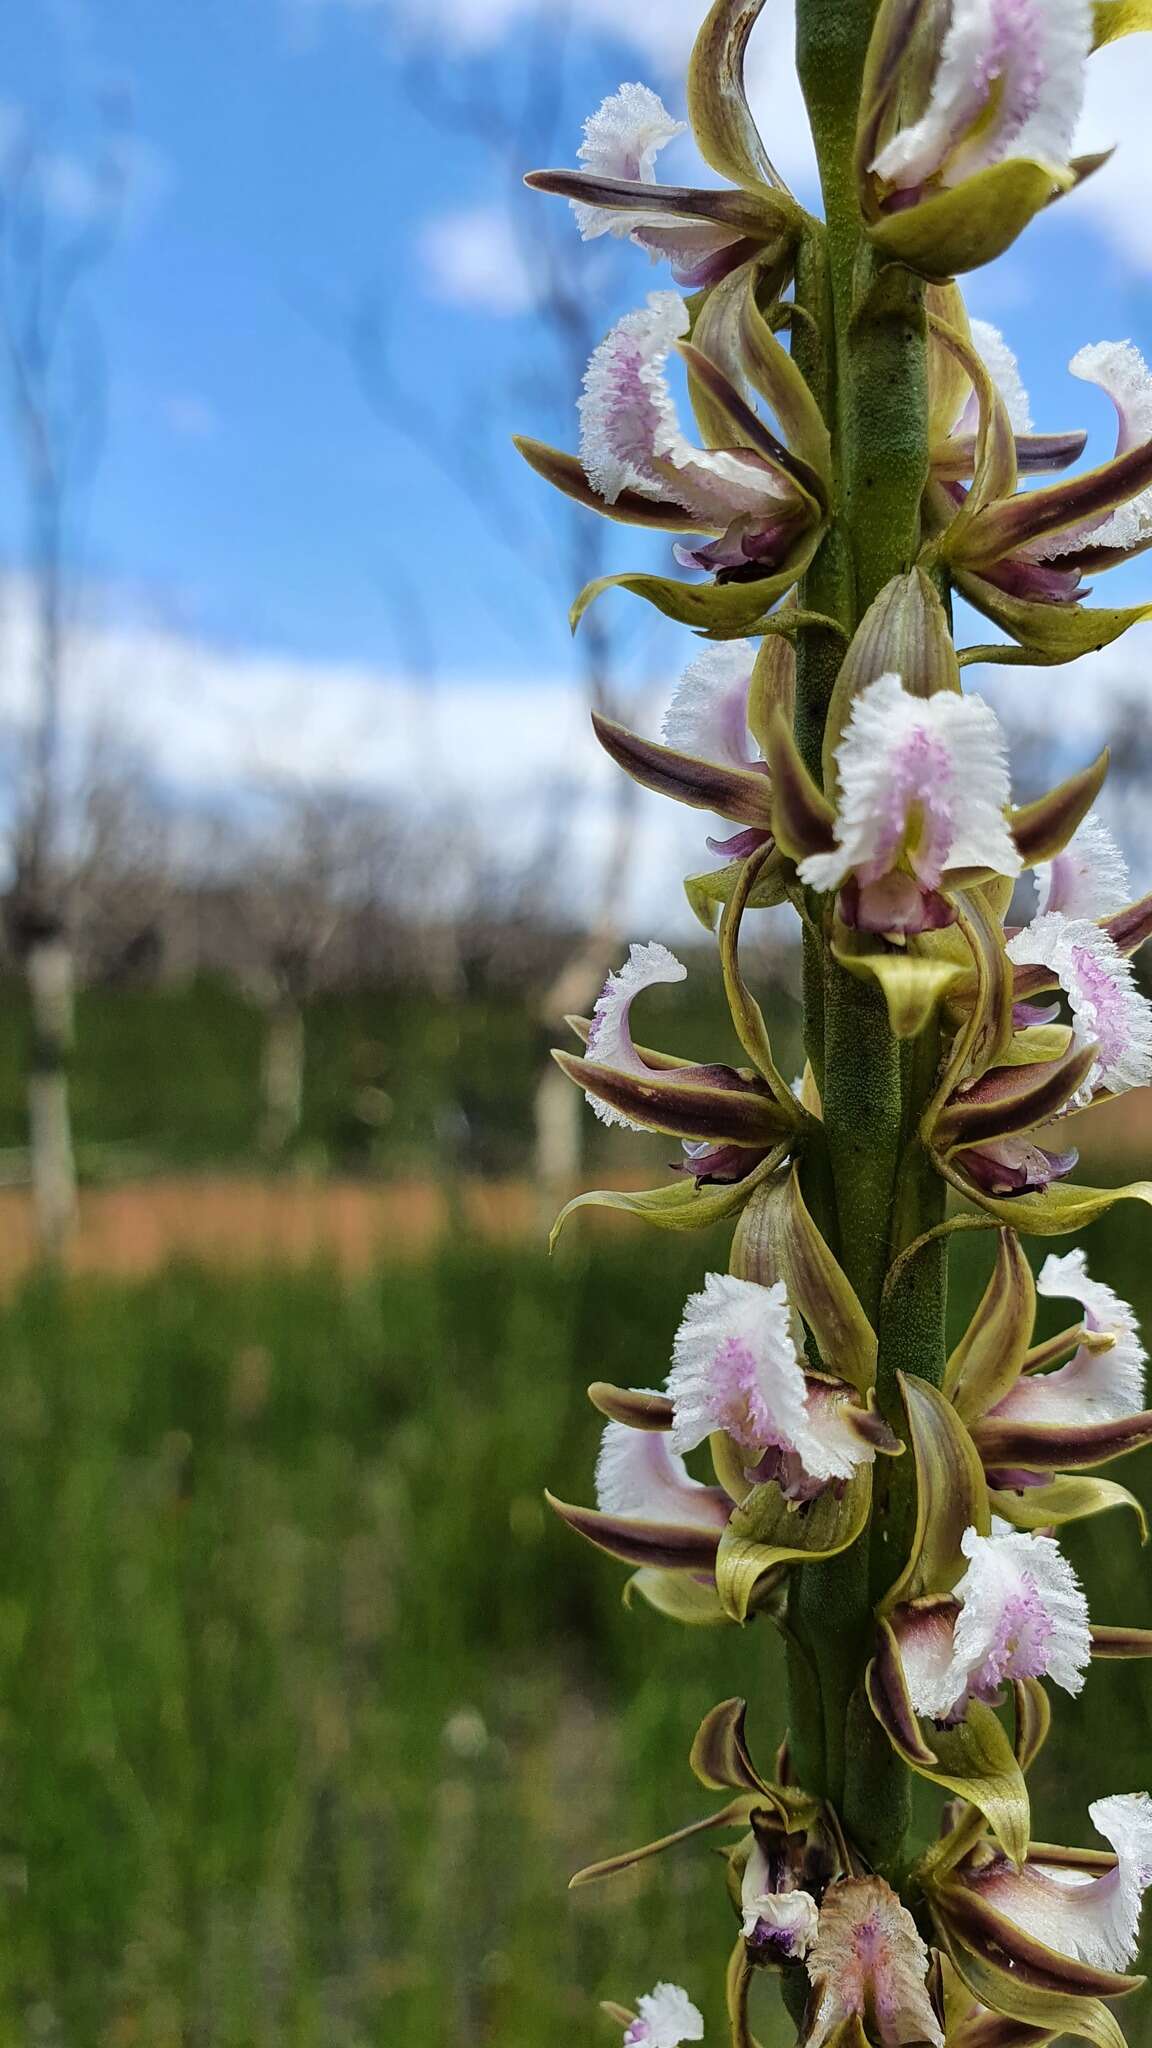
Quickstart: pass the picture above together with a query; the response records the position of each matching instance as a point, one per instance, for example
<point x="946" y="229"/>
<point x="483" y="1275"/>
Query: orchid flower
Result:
<point x="631" y="442"/>
<point x="778" y="1919"/>
<point x="1108" y="1010"/>
<point x="1088" y="879"/>
<point x="665" y="2018"/>
<point x="1072" y="1907"/>
<point x="1008" y="83"/>
<point x="736" y="1368"/>
<point x="1103" y="1381"/>
<point x="923" y="790"/>
<point x="869" y="1963"/>
<point x="1018" y="1612"/>
<point x="641" y="1477"/>
<point x="622" y="140"/>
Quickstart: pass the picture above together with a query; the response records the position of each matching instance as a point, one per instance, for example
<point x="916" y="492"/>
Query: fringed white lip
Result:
<point x="1088" y="879"/>
<point x="923" y="786"/>
<point x="610" y="1037"/>
<point x="1019" y="1613"/>
<point x="622" y="139"/>
<point x="1095" y="1385"/>
<point x="639" y="1476"/>
<point x="1108" y="1010"/>
<point x="1119" y="369"/>
<point x="708" y="714"/>
<point x="1009" y="83"/>
<point x="665" y="2018"/>
<point x="1092" y="1918"/>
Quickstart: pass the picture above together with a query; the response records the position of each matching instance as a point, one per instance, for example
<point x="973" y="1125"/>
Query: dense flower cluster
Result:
<point x="993" y="941"/>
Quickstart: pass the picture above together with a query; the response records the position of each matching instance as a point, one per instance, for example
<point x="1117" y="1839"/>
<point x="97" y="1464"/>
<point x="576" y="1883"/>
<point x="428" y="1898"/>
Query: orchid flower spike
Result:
<point x="631" y="440"/>
<point x="1018" y="1612"/>
<point x="1089" y="1915"/>
<point x="665" y="2018"/>
<point x="870" y="1964"/>
<point x="1104" y="1381"/>
<point x="923" y="789"/>
<point x="735" y="1367"/>
<point x="1108" y="1010"/>
<point x="1008" y="81"/>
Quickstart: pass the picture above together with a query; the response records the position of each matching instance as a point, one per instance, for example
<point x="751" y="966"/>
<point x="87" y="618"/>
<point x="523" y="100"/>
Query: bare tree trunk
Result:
<point x="282" y="1075"/>
<point x="48" y="967"/>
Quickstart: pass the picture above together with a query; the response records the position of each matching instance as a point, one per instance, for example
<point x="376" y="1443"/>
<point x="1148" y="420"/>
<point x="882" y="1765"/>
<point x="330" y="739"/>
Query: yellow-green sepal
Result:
<point x="726" y="134"/>
<point x="1070" y="1497"/>
<point x="913" y="984"/>
<point x="971" y="223"/>
<point x="676" y="1595"/>
<point x="990" y="1356"/>
<point x="1054" y="1211"/>
<point x="1114" y="18"/>
<point x="951" y="1495"/>
<point x="1052" y="2012"/>
<point x="1046" y="634"/>
<point x="718" y="611"/>
<point x="778" y="1239"/>
<point x="767" y="1531"/>
<point x="680" y="1205"/>
<point x="708" y="893"/>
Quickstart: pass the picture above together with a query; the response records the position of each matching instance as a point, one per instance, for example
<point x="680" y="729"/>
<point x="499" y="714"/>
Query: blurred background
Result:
<point x="307" y="1709"/>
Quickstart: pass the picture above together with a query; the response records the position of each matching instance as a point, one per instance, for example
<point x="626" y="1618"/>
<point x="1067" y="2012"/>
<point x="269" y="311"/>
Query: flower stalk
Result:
<point x="892" y="1507"/>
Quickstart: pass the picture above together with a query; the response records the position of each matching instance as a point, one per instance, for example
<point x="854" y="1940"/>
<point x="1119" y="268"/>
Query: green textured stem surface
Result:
<point x="879" y="1191"/>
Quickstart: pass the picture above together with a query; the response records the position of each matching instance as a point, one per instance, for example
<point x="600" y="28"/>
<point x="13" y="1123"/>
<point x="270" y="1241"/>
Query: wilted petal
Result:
<point x="630" y="436"/>
<point x="923" y="788"/>
<point x="1019" y="1613"/>
<point x="1009" y="83"/>
<point x="1095" y="1919"/>
<point x="869" y="1962"/>
<point x="610" y="1036"/>
<point x="708" y="715"/>
<point x="622" y="139"/>
<point x="639" y="1477"/>
<point x="1119" y="369"/>
<point x="665" y="2018"/>
<point x="1088" y="879"/>
<point x="1095" y="1386"/>
<point x="1108" y="1010"/>
<point x="735" y="1367"/>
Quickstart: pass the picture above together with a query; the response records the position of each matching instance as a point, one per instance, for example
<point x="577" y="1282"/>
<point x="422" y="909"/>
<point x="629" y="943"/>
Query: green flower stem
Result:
<point x="881" y="1192"/>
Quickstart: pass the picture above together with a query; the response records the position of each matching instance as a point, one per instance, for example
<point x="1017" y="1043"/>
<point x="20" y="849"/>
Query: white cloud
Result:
<point x="1116" y="198"/>
<point x="472" y="258"/>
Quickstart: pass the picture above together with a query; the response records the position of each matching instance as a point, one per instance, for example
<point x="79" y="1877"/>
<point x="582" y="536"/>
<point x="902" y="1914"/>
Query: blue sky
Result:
<point x="247" y="500"/>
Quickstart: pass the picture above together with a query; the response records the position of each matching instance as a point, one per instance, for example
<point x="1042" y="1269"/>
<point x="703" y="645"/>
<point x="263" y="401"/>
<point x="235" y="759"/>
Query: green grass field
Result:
<point x="307" y="1707"/>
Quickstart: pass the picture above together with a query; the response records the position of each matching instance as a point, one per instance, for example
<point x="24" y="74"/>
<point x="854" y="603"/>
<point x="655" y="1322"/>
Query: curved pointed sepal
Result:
<point x="1114" y="18"/>
<point x="803" y="820"/>
<point x="1032" y="1710"/>
<point x="913" y="984"/>
<point x="1042" y="829"/>
<point x="747" y="1016"/>
<point x="1053" y="1447"/>
<point x="990" y="1356"/>
<point x="951" y="1494"/>
<point x="773" y="372"/>
<point x="1055" y="1211"/>
<point x="718" y="611"/>
<point x="1046" y="634"/>
<point x="677" y="1596"/>
<point x="971" y="223"/>
<point x="719" y="1755"/>
<point x="994" y="474"/>
<point x="778" y="1239"/>
<point x="986" y="1931"/>
<point x="667" y="1546"/>
<point x="708" y="893"/>
<point x="1008" y="1101"/>
<point x="703" y="1105"/>
<point x="1120" y="1642"/>
<point x="742" y="794"/>
<point x="1052" y="2013"/>
<point x="635" y="1409"/>
<point x="1070" y="1497"/>
<point x="734" y="1815"/>
<point x="566" y="473"/>
<point x="679" y="1205"/>
<point x="726" y="134"/>
<point x="973" y="1761"/>
<point x="767" y="1531"/>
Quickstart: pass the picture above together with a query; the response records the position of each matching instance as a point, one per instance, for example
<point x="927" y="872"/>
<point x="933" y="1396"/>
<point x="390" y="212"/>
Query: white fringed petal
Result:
<point x="1095" y="1919"/>
<point x="1004" y="370"/>
<point x="630" y="436"/>
<point x="1095" y="1386"/>
<point x="610" y="1036"/>
<point x="1009" y="83"/>
<point x="708" y="715"/>
<point x="1108" y="1010"/>
<point x="1022" y="1614"/>
<point x="665" y="2018"/>
<point x="869" y="1961"/>
<point x="938" y="762"/>
<point x="622" y="139"/>
<point x="735" y="1367"/>
<point x="1088" y="879"/>
<point x="640" y="1477"/>
<point x="1121" y="371"/>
